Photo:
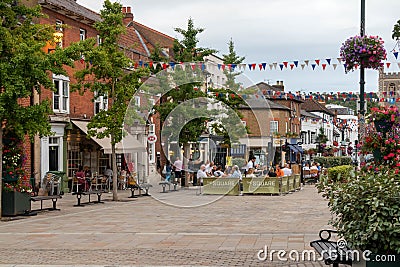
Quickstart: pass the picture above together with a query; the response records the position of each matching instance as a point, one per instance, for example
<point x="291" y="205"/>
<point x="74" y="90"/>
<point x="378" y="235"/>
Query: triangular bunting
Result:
<point x="172" y="64"/>
<point x="317" y="61"/>
<point x="296" y="63"/>
<point x="328" y="60"/>
<point x="323" y="66"/>
<point x="396" y="54"/>
<point x="285" y="64"/>
<point x="306" y="61"/>
<point x="281" y="66"/>
<point x="260" y="66"/>
<point x="219" y="66"/>
<point x="223" y="67"/>
<point x="302" y="66"/>
<point x="313" y="66"/>
<point x="271" y="66"/>
<point x="193" y="66"/>
<point x="275" y="64"/>
<point x="334" y="66"/>
<point x="291" y="66"/>
<point x="387" y="64"/>
<point x="254" y="66"/>
<point x="356" y="66"/>
<point x="250" y="65"/>
<point x="263" y="65"/>
<point x="339" y="60"/>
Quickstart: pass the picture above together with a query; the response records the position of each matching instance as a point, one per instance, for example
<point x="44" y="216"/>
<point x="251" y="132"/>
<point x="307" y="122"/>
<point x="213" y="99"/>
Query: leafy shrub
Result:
<point x="333" y="161"/>
<point x="340" y="173"/>
<point x="366" y="212"/>
<point x="238" y="161"/>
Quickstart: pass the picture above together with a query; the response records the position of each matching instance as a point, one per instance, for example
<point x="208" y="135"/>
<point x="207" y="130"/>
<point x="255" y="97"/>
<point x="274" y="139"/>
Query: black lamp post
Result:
<point x="361" y="131"/>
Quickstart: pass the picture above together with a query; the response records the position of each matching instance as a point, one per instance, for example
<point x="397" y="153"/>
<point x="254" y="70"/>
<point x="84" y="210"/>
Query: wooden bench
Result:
<point x="88" y="193"/>
<point x="53" y="198"/>
<point x="333" y="253"/>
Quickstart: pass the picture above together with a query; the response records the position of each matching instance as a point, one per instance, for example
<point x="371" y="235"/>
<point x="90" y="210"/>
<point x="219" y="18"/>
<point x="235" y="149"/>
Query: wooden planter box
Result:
<point x="15" y="203"/>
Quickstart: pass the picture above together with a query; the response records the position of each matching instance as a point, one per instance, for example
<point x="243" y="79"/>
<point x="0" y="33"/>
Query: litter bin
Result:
<point x="63" y="183"/>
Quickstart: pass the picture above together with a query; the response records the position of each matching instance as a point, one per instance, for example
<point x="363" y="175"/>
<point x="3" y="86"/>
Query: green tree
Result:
<point x="396" y="31"/>
<point x="111" y="75"/>
<point x="229" y="95"/>
<point x="188" y="85"/>
<point x="24" y="71"/>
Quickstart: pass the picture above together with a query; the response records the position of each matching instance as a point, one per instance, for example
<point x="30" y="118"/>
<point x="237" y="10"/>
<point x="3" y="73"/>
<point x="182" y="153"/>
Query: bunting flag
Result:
<point x="315" y="64"/>
<point x="328" y="60"/>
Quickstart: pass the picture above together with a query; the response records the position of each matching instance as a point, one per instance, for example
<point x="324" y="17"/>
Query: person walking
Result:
<point x="168" y="171"/>
<point x="178" y="170"/>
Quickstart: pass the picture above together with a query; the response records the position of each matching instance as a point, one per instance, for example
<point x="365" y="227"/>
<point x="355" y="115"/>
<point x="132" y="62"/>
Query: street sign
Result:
<point x="152" y="138"/>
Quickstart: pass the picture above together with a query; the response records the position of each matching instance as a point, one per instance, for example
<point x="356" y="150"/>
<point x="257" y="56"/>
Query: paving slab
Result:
<point x="182" y="228"/>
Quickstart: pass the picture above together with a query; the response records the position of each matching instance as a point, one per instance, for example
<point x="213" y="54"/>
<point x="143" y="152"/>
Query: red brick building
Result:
<point x="69" y="148"/>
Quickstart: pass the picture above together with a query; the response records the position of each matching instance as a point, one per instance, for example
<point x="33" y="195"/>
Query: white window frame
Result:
<point x="82" y="34"/>
<point x="99" y="40"/>
<point x="62" y="94"/>
<point x="102" y="101"/>
<point x="137" y="102"/>
<point x="273" y="125"/>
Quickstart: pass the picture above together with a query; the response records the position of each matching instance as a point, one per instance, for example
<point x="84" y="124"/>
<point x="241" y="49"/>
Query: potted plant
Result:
<point x="15" y="199"/>
<point x="363" y="51"/>
<point x="366" y="207"/>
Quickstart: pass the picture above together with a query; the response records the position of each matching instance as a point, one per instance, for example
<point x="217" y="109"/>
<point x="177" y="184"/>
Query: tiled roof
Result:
<point x="131" y="41"/>
<point x="309" y="115"/>
<point x="262" y="103"/>
<point x="72" y="9"/>
<point x="313" y="105"/>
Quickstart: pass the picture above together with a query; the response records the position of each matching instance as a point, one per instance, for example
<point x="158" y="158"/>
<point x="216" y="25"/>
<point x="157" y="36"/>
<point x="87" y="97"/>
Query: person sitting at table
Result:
<point x="108" y="173"/>
<point x="236" y="172"/>
<point x="201" y="174"/>
<point x="279" y="171"/>
<point x="287" y="171"/>
<point x="271" y="172"/>
<point x="218" y="172"/>
<point x="80" y="175"/>
<point x="250" y="173"/>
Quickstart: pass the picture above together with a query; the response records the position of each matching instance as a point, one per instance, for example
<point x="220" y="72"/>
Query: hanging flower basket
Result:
<point x="363" y="51"/>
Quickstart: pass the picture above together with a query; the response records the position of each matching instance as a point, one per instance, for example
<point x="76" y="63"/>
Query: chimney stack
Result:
<point x="279" y="86"/>
<point x="128" y="16"/>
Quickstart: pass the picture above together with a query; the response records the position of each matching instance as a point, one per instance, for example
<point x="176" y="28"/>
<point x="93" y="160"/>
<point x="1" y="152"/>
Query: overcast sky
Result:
<point x="276" y="31"/>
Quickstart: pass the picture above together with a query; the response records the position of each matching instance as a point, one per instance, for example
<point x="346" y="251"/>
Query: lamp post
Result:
<point x="361" y="131"/>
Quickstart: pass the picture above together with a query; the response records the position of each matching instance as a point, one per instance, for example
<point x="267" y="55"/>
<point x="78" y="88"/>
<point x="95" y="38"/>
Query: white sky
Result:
<point x="276" y="31"/>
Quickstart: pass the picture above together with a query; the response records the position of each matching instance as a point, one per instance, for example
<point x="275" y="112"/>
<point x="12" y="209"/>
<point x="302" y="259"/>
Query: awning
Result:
<point x="128" y="144"/>
<point x="296" y="148"/>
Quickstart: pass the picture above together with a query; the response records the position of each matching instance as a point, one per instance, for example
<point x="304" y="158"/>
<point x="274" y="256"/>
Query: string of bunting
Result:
<point x="388" y="97"/>
<point x="323" y="64"/>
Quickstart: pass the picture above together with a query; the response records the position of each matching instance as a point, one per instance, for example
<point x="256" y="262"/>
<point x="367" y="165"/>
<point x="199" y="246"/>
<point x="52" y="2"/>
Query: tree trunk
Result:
<point x="1" y="165"/>
<point x="114" y="169"/>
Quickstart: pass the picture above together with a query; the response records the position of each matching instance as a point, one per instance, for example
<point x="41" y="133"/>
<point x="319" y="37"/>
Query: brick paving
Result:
<point x="153" y="231"/>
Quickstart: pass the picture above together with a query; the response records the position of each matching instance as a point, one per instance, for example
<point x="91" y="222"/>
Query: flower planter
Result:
<point x="383" y="126"/>
<point x="377" y="155"/>
<point x="15" y="203"/>
<point x="10" y="178"/>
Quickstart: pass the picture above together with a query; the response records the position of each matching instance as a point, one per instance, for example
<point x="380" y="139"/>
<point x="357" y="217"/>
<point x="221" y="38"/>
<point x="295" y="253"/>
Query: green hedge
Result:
<point x="340" y="173"/>
<point x="333" y="161"/>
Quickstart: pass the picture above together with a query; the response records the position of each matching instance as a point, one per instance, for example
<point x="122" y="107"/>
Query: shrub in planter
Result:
<point x="340" y="173"/>
<point x="366" y="211"/>
<point x="333" y="161"/>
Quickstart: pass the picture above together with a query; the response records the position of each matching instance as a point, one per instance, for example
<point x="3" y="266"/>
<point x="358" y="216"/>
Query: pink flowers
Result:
<point x="357" y="50"/>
